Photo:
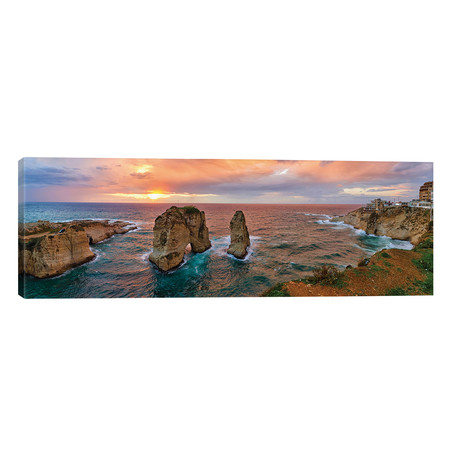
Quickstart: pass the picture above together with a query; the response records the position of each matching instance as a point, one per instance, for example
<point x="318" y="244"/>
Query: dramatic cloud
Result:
<point x="266" y="181"/>
<point x="43" y="176"/>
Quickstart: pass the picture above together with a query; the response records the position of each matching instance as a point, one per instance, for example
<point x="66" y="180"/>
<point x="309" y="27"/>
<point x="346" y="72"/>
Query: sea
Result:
<point x="287" y="242"/>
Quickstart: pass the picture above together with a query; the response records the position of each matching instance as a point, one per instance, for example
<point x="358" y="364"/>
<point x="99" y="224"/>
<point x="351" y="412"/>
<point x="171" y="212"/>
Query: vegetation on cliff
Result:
<point x="388" y="272"/>
<point x="190" y="210"/>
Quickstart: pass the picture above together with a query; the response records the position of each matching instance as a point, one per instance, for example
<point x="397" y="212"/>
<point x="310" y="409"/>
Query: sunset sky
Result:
<point x="218" y="181"/>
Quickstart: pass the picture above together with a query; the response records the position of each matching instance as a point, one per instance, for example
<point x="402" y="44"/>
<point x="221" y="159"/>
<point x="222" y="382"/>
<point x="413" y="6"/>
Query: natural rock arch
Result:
<point x="173" y="231"/>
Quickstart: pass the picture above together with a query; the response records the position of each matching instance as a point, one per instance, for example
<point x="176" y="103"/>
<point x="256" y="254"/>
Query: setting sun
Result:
<point x="156" y="195"/>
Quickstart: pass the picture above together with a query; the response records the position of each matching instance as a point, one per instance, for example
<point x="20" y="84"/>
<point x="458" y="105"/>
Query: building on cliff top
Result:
<point x="421" y="204"/>
<point x="425" y="197"/>
<point x="426" y="192"/>
<point x="377" y="205"/>
<point x="425" y="200"/>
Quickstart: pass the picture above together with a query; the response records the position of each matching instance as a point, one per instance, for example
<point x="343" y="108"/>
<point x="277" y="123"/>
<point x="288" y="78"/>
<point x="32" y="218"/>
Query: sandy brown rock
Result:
<point x="400" y="222"/>
<point x="100" y="230"/>
<point x="50" y="248"/>
<point x="174" y="230"/>
<point x="239" y="236"/>
<point x="53" y="254"/>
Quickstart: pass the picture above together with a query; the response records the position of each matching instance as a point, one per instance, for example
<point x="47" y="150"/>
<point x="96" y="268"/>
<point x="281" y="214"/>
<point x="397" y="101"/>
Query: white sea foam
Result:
<point x="145" y="255"/>
<point x="339" y="224"/>
<point x="385" y="242"/>
<point x="220" y="246"/>
<point x="317" y="215"/>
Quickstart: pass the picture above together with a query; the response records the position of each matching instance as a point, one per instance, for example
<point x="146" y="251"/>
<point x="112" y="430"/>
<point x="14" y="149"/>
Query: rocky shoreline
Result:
<point x="399" y="223"/>
<point x="407" y="273"/>
<point x="390" y="272"/>
<point x="47" y="249"/>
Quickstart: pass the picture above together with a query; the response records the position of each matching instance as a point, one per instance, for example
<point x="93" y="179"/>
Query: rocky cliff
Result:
<point x="239" y="236"/>
<point x="50" y="248"/>
<point x="399" y="222"/>
<point x="52" y="254"/>
<point x="174" y="230"/>
<point x="100" y="230"/>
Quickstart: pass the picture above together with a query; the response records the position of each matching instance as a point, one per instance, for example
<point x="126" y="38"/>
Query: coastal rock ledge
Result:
<point x="174" y="230"/>
<point x="401" y="223"/>
<point x="239" y="236"/>
<point x="48" y="249"/>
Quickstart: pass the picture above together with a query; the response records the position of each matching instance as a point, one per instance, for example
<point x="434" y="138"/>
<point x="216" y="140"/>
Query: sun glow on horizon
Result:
<point x="156" y="195"/>
<point x="157" y="181"/>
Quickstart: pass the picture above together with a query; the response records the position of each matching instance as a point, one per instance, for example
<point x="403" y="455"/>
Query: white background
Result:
<point x="364" y="378"/>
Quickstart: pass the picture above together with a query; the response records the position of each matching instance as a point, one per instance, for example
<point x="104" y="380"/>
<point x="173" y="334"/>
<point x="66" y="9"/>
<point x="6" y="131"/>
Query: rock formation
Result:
<point x="51" y="248"/>
<point x="239" y="236"/>
<point x="52" y="254"/>
<point x="399" y="222"/>
<point x="174" y="230"/>
<point x="98" y="231"/>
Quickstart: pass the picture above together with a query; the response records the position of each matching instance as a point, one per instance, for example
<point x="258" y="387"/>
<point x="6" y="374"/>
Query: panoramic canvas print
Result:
<point x="98" y="227"/>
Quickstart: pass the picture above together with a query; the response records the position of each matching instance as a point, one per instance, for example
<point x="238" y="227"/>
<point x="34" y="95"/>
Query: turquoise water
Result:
<point x="287" y="242"/>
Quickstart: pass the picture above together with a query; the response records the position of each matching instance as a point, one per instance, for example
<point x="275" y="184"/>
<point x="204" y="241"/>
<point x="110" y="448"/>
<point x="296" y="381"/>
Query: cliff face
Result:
<point x="51" y="255"/>
<point x="402" y="223"/>
<point x="50" y="248"/>
<point x="174" y="230"/>
<point x="239" y="236"/>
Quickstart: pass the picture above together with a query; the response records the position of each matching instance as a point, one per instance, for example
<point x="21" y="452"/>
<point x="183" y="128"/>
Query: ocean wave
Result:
<point x="310" y="247"/>
<point x="145" y="255"/>
<point x="327" y="216"/>
<point x="284" y="245"/>
<point x="384" y="242"/>
<point x="339" y="225"/>
<point x="391" y="243"/>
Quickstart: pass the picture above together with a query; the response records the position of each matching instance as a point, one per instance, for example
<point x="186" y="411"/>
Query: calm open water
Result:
<point x="287" y="242"/>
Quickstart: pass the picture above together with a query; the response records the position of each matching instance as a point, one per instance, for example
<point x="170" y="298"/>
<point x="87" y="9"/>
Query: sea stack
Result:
<point x="174" y="230"/>
<point x="239" y="236"/>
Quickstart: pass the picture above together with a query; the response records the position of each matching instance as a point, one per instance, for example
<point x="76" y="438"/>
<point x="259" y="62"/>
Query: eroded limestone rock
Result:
<point x="50" y="248"/>
<point x="239" y="236"/>
<point x="173" y="231"/>
<point x="399" y="222"/>
<point x="53" y="254"/>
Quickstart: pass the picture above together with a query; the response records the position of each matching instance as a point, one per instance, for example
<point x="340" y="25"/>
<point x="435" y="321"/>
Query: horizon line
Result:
<point x="153" y="202"/>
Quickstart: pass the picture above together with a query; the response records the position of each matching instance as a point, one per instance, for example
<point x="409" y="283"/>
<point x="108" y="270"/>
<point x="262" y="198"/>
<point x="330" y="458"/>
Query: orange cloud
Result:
<point x="96" y="179"/>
